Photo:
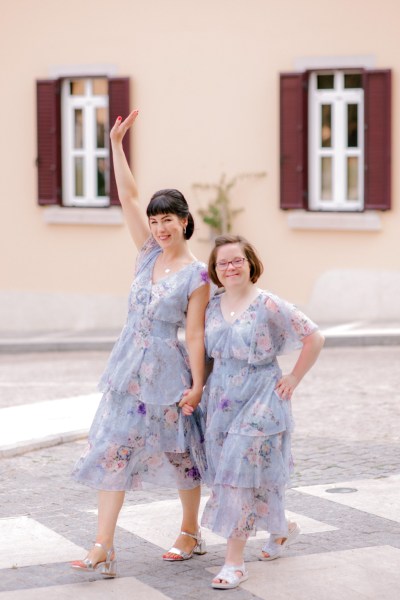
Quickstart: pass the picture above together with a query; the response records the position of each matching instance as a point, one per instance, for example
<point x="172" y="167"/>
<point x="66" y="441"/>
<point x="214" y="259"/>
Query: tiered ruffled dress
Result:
<point x="139" y="433"/>
<point x="249" y="426"/>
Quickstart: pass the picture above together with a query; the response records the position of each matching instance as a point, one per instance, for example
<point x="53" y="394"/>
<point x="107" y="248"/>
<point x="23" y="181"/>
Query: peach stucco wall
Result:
<point x="205" y="78"/>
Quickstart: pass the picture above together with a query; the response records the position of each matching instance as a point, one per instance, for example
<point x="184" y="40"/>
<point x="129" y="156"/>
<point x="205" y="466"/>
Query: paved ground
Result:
<point x="347" y="436"/>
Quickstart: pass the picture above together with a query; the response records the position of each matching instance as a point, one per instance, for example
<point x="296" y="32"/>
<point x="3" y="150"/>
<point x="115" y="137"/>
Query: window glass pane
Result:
<point x="352" y="178"/>
<point x="78" y="168"/>
<point x="78" y="128"/>
<point x="77" y="87"/>
<point x="101" y="177"/>
<point x="326" y="125"/>
<point x="101" y="120"/>
<point x="326" y="178"/>
<point x="352" y="125"/>
<point x="325" y="82"/>
<point x="99" y="87"/>
<point x="352" y="80"/>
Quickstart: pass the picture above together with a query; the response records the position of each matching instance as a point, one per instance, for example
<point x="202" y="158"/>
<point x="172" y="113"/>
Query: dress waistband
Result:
<point x="164" y="329"/>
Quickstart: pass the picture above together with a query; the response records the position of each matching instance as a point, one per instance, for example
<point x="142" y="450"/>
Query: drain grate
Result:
<point x="341" y="490"/>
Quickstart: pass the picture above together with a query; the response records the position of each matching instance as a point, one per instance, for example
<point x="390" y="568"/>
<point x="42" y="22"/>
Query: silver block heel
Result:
<point x="200" y="548"/>
<point x="107" y="568"/>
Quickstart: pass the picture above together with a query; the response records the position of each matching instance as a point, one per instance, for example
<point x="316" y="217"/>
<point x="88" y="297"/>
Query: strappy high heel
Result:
<point x="199" y="548"/>
<point x="107" y="567"/>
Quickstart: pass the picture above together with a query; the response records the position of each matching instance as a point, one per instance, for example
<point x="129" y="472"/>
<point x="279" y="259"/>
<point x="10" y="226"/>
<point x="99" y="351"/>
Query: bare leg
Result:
<point x="234" y="555"/>
<point x="109" y="506"/>
<point x="190" y="500"/>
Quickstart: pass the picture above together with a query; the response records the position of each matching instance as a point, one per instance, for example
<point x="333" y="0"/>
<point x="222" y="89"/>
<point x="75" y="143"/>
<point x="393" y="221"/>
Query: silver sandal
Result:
<point x="199" y="548"/>
<point x="276" y="550"/>
<point x="229" y="575"/>
<point x="107" y="567"/>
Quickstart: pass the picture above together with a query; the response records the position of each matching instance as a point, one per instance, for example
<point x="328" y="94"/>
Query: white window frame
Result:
<point x="338" y="97"/>
<point x="88" y="103"/>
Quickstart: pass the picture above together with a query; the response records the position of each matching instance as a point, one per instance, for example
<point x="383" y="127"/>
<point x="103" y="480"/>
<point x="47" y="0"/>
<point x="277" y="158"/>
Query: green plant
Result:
<point x="219" y="214"/>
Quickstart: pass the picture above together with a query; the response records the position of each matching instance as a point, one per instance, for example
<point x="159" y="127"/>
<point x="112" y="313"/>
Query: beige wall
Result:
<point x="205" y="78"/>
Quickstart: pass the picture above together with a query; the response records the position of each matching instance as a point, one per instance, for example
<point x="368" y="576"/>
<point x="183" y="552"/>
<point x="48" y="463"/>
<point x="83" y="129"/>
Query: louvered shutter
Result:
<point x="48" y="141"/>
<point x="119" y="104"/>
<point x="377" y="141"/>
<point x="293" y="140"/>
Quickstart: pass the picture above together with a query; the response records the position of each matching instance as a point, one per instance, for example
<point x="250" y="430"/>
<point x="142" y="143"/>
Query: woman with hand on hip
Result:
<point x="247" y="405"/>
<point x="139" y="432"/>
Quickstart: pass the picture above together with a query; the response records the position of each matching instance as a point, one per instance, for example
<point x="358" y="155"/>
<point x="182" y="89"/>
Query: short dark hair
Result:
<point x="171" y="201"/>
<point x="256" y="266"/>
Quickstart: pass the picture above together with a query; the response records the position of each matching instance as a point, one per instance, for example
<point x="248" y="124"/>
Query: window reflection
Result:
<point x="77" y="87"/>
<point x="101" y="120"/>
<point x="100" y="87"/>
<point x="352" y="81"/>
<point x="78" y="128"/>
<point x="78" y="176"/>
<point x="101" y="177"/>
<point x="352" y="125"/>
<point x="326" y="178"/>
<point x="326" y="125"/>
<point x="352" y="178"/>
<point x="325" y="82"/>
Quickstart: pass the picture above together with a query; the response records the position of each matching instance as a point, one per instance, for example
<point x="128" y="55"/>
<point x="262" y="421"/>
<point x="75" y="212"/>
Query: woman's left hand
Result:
<point x="286" y="386"/>
<point x="190" y="400"/>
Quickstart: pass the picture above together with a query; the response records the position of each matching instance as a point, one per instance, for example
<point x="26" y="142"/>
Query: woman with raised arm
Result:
<point x="247" y="405"/>
<point x="140" y="432"/>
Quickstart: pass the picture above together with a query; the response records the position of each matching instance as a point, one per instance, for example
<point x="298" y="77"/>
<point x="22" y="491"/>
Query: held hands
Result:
<point x="121" y="127"/>
<point x="286" y="386"/>
<point x="191" y="398"/>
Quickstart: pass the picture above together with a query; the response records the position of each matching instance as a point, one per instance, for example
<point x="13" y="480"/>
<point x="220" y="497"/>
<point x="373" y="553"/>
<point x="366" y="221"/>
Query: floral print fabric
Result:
<point x="139" y="433"/>
<point x="248" y="426"/>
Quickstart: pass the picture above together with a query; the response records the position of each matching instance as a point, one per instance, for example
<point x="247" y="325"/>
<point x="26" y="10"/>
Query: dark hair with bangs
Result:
<point x="256" y="266"/>
<point x="171" y="201"/>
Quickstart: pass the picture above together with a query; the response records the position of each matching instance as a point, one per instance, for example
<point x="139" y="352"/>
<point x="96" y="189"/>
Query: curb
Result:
<point x="356" y="338"/>
<point x="46" y="442"/>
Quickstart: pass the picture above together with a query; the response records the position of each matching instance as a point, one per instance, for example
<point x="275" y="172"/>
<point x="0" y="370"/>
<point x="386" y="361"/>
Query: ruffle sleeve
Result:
<point x="279" y="328"/>
<point x="198" y="278"/>
<point x="147" y="252"/>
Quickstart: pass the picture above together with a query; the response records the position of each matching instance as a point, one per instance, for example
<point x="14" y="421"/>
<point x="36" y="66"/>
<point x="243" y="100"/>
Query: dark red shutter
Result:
<point x="293" y="140"/>
<point x="48" y="141"/>
<point x="119" y="105"/>
<point x="377" y="141"/>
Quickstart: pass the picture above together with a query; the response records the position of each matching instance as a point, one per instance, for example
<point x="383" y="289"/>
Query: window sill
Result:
<point x="58" y="215"/>
<point x="368" y="221"/>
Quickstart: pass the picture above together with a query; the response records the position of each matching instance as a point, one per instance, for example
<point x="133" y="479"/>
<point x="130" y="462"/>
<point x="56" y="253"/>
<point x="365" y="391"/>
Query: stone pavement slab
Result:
<point x="28" y="427"/>
<point x="25" y="542"/>
<point x="360" y="574"/>
<point x="380" y="497"/>
<point x="111" y="589"/>
<point x="157" y="522"/>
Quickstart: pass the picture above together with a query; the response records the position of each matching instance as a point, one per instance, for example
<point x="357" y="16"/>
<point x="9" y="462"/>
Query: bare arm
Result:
<point x="195" y="345"/>
<point x="312" y="346"/>
<point x="127" y="189"/>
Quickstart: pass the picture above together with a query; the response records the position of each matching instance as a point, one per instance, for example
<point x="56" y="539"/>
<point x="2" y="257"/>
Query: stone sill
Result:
<point x="368" y="221"/>
<point x="58" y="215"/>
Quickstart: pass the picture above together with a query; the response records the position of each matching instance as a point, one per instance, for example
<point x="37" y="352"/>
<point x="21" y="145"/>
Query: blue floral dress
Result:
<point x="248" y="426"/>
<point x="139" y="433"/>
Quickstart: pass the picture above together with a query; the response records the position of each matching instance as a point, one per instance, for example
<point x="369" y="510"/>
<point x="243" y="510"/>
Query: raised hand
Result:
<point x="121" y="127"/>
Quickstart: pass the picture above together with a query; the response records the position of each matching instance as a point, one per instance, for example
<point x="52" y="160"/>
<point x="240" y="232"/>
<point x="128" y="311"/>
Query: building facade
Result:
<point x="305" y="92"/>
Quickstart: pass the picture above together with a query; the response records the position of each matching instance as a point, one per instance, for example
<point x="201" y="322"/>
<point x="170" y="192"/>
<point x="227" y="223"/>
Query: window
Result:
<point x="85" y="152"/>
<point x="335" y="140"/>
<point x="74" y="162"/>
